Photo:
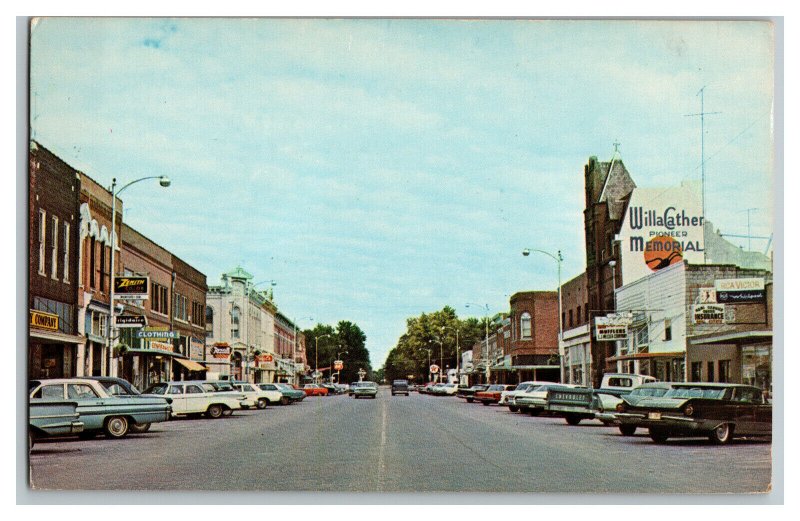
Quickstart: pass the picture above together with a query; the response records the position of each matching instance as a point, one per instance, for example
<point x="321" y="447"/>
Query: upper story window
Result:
<point x="66" y="252"/>
<point x="54" y="249"/>
<point x="180" y="307"/>
<point x="209" y="321"/>
<point x="667" y="330"/>
<point x="235" y="314"/>
<point x="42" y="240"/>
<point x="159" y="300"/>
<point x="92" y="265"/>
<point x="525" y="325"/>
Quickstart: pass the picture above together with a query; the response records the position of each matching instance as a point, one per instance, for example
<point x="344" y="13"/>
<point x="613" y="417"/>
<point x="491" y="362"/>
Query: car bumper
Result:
<point x="606" y="417"/>
<point x="674" y="423"/>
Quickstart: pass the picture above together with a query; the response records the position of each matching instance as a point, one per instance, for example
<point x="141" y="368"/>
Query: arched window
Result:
<point x="525" y="325"/>
<point x="209" y="321"/>
<point x="235" y="322"/>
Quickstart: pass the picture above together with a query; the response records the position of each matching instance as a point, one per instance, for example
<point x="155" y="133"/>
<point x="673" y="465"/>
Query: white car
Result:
<point x="258" y="395"/>
<point x="507" y="397"/>
<point x="197" y="398"/>
<point x="534" y="400"/>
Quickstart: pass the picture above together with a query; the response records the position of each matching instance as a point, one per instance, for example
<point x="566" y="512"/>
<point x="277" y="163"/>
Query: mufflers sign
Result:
<point x="131" y="287"/>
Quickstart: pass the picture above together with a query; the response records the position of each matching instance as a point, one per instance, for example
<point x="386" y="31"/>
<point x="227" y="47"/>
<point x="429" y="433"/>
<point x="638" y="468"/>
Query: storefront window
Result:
<point x="757" y="366"/>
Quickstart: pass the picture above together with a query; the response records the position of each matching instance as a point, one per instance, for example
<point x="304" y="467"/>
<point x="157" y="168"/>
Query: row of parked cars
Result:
<point x="718" y="411"/>
<point x="92" y="405"/>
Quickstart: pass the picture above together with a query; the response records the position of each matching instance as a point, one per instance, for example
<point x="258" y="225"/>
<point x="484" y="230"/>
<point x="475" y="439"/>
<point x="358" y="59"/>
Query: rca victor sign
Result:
<point x="734" y="291"/>
<point x="131" y="287"/>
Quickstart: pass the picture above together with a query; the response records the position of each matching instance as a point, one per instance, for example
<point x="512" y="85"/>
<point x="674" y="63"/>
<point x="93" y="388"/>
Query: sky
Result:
<point x="376" y="169"/>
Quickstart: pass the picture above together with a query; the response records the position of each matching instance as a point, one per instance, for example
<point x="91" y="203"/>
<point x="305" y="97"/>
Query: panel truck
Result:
<point x="580" y="403"/>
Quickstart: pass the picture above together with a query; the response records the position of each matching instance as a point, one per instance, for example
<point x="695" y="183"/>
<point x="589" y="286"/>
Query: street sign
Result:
<point x="434" y="368"/>
<point x="130" y="321"/>
<point x="338" y="365"/>
<point x="127" y="286"/>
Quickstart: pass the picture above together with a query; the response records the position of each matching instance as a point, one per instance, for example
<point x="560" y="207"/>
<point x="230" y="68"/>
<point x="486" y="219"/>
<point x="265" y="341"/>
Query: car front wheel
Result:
<point x="116" y="427"/>
<point x="573" y="419"/>
<point x="627" y="430"/>
<point x="470" y="400"/>
<point x="722" y="434"/>
<point x="262" y="403"/>
<point x="284" y="400"/>
<point x="513" y="408"/>
<point x="658" y="436"/>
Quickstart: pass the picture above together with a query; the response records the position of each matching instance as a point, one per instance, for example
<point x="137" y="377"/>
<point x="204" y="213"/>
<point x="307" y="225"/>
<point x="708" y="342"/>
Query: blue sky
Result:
<point x="377" y="169"/>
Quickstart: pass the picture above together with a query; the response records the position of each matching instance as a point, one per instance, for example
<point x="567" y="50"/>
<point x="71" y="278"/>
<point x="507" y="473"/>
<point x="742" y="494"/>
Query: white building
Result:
<point x="240" y="330"/>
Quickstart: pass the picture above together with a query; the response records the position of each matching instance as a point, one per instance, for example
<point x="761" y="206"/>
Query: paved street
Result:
<point x="415" y="443"/>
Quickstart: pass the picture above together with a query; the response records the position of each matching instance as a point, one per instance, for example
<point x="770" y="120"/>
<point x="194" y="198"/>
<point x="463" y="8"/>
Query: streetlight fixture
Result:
<point x="429" y="364"/>
<point x="486" y="322"/>
<point x="164" y="181"/>
<point x="559" y="259"/>
<point x="316" y="354"/>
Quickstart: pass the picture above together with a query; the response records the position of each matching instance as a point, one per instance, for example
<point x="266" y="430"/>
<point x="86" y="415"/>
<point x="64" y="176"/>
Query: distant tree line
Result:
<point x="345" y="339"/>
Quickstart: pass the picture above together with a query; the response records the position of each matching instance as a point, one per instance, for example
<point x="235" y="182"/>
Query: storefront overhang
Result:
<point x="742" y="337"/>
<point x="55" y="336"/>
<point x="640" y="356"/>
<point x="191" y="365"/>
<point x="533" y="367"/>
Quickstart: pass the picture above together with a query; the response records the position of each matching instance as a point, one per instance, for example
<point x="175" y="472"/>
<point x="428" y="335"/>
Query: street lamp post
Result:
<point x="429" y="364"/>
<point x="559" y="259"/>
<point x="163" y="181"/>
<point x="486" y="322"/>
<point x="458" y="349"/>
<point x="316" y="354"/>
<point x="441" y="354"/>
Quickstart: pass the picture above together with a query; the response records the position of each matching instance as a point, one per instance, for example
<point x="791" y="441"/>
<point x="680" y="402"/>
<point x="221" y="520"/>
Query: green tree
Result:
<point x="346" y="340"/>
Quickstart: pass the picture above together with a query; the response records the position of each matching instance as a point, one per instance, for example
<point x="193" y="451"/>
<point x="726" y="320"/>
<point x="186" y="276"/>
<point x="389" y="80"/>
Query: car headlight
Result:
<point x="621" y="407"/>
<point x="688" y="410"/>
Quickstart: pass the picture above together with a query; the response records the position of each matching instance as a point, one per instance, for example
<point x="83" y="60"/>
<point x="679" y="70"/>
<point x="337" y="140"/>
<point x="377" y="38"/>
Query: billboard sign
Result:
<point x="735" y="291"/>
<point x="137" y="287"/>
<point x="708" y="313"/>
<point x="661" y="227"/>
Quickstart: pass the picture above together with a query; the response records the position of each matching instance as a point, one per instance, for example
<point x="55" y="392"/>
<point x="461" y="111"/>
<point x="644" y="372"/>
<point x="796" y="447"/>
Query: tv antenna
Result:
<point x="702" y="115"/>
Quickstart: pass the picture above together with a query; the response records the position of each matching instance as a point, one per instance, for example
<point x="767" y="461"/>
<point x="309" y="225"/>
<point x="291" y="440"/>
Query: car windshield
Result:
<point x="648" y="391"/>
<point x="714" y="393"/>
<point x="156" y="389"/>
<point x="368" y="384"/>
<point x="523" y="387"/>
<point x="496" y="388"/>
<point x="450" y="386"/>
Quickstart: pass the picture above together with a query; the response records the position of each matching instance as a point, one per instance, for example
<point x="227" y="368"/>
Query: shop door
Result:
<point x="97" y="359"/>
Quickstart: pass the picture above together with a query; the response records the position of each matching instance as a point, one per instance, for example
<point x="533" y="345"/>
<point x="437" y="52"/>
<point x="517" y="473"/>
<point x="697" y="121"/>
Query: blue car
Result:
<point x="53" y="418"/>
<point x="98" y="410"/>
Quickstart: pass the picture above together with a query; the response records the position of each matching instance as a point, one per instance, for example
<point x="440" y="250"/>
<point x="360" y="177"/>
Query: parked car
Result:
<point x="365" y="390"/>
<point x="534" y="400"/>
<point x="582" y="404"/>
<point x="468" y="393"/>
<point x="507" y="397"/>
<point x="444" y="389"/>
<point x="289" y="393"/>
<point x="315" y="390"/>
<point x="121" y="387"/>
<point x="50" y="418"/>
<point x="607" y="409"/>
<point x="717" y="411"/>
<point x="351" y="388"/>
<point x="426" y="389"/>
<point x="400" y="387"/>
<point x="255" y="394"/>
<point x="197" y="397"/>
<point x="492" y="393"/>
<point x="98" y="410"/>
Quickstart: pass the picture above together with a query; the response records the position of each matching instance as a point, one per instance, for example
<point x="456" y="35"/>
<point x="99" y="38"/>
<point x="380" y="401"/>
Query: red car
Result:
<point x="492" y="394"/>
<point x="315" y="390"/>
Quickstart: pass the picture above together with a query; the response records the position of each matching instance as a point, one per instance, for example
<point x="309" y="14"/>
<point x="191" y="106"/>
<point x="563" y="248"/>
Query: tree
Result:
<point x="346" y="340"/>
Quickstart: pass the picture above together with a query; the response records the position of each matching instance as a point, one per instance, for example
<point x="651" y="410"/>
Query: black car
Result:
<point x="468" y="393"/>
<point x="400" y="387"/>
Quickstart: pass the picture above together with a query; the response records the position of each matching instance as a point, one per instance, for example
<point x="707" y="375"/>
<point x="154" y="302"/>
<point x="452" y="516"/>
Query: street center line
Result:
<point x="382" y="449"/>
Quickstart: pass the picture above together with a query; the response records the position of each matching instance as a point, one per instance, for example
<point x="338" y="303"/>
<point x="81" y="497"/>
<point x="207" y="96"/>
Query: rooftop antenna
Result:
<point x="702" y="115"/>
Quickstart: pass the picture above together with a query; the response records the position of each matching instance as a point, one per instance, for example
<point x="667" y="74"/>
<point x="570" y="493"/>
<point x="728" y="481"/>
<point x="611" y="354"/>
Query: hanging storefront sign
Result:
<point x="613" y="326"/>
<point x="661" y="227"/>
<point x="152" y="333"/>
<point x="221" y="351"/>
<point x="708" y="313"/>
<point x="130" y="321"/>
<point x="740" y="290"/>
<point x="131" y="287"/>
<point x="44" y="320"/>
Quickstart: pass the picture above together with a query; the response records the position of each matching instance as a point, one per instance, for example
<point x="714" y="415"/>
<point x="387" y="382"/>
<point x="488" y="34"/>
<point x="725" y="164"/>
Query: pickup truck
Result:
<point x="580" y="403"/>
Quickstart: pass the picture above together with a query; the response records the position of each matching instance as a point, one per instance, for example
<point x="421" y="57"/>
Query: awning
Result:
<point x="191" y="365"/>
<point x="56" y="336"/>
<point x="639" y="356"/>
<point x="742" y="337"/>
<point x="153" y="352"/>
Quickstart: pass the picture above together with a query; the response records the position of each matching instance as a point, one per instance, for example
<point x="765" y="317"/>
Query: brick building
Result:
<point x="94" y="260"/>
<point x="576" y="343"/>
<point x="172" y="345"/>
<point x="53" y="226"/>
